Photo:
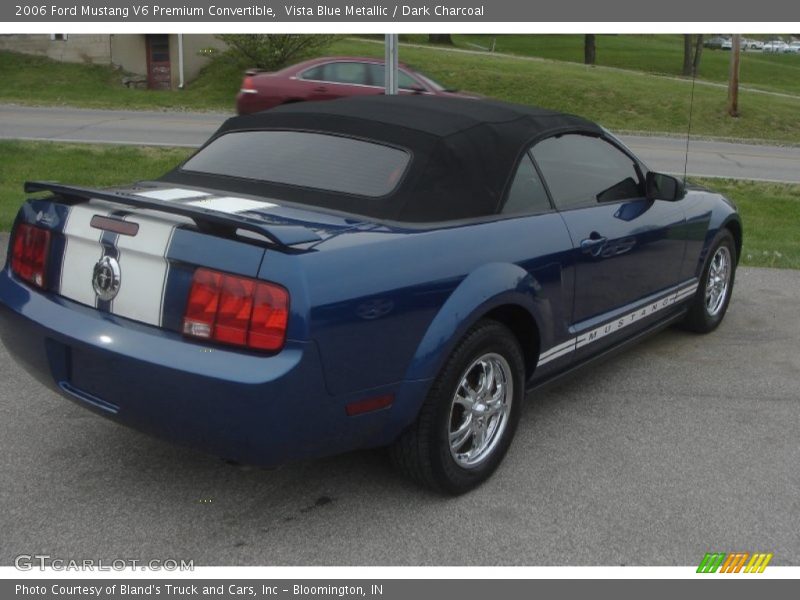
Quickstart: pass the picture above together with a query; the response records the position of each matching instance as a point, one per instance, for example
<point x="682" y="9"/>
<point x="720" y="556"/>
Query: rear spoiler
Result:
<point x="207" y="220"/>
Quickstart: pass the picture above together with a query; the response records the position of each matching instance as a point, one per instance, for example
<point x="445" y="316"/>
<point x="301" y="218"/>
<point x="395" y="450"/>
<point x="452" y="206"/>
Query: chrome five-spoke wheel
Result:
<point x="480" y="409"/>
<point x="710" y="303"/>
<point x="719" y="276"/>
<point x="467" y="422"/>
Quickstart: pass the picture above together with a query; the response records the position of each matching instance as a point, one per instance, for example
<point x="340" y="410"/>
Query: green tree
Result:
<point x="272" y="51"/>
<point x="589" y="49"/>
<point x="692" y="51"/>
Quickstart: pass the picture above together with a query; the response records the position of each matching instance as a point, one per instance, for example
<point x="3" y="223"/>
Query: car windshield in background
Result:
<point x="431" y="82"/>
<point x="300" y="158"/>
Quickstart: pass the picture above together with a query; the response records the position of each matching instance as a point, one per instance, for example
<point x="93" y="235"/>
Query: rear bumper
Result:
<point x="247" y="103"/>
<point x="254" y="409"/>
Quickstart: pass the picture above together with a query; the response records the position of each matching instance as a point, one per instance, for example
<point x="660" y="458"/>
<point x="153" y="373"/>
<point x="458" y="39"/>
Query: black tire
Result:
<point x="423" y="451"/>
<point x="700" y="318"/>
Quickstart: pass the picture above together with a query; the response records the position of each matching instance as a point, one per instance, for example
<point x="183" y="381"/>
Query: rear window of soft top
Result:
<point x="305" y="159"/>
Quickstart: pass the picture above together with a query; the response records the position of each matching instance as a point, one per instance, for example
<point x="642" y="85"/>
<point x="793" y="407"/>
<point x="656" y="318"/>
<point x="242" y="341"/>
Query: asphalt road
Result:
<point x="682" y="445"/>
<point x="706" y="158"/>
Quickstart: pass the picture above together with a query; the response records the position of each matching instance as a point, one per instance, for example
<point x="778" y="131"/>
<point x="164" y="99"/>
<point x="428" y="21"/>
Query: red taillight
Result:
<point x="248" y="86"/>
<point x="236" y="310"/>
<point x="201" y="311"/>
<point x="270" y="317"/>
<point x="29" y="255"/>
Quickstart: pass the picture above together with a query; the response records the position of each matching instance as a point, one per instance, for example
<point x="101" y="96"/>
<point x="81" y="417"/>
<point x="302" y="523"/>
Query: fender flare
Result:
<point x="734" y="223"/>
<point x="487" y="287"/>
<point x="721" y="217"/>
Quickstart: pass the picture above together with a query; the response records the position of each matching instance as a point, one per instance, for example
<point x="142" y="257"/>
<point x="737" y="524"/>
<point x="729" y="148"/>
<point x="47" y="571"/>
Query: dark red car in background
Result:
<point x="328" y="78"/>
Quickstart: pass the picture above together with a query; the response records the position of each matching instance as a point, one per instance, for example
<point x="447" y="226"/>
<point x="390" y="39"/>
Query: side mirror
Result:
<point x="663" y="187"/>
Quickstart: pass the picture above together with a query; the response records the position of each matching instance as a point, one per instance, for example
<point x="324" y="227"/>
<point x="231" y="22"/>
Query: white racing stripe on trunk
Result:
<point x="173" y="194"/>
<point x="143" y="265"/>
<point x="166" y="276"/>
<point x="230" y="204"/>
<point x="82" y="250"/>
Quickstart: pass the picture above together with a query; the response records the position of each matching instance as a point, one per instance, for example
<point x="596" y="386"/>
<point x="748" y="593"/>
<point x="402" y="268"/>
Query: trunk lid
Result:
<point x="132" y="252"/>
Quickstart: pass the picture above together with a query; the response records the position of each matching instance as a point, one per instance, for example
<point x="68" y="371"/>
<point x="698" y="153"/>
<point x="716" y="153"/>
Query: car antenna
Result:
<point x="689" y="128"/>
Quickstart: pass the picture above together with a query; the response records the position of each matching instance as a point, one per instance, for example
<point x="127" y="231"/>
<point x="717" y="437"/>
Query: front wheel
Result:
<point x="716" y="285"/>
<point x="470" y="415"/>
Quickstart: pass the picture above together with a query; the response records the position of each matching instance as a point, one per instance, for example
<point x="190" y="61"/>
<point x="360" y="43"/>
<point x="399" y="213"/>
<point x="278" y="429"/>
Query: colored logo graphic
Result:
<point x="734" y="562"/>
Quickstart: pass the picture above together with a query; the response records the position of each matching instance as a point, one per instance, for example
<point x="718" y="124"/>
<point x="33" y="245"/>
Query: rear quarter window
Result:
<point x="377" y="75"/>
<point x="305" y="159"/>
<point x="527" y="194"/>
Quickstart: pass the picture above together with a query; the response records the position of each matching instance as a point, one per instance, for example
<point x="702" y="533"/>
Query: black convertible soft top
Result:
<point x="464" y="152"/>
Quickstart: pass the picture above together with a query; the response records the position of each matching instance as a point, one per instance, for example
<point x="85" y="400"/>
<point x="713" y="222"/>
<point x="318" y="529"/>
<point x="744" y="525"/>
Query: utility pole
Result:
<point x="390" y="68"/>
<point x="733" y="79"/>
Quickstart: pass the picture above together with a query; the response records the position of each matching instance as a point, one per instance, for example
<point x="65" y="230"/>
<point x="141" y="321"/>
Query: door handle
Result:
<point x="593" y="243"/>
<point x="594" y="240"/>
<point x="320" y="88"/>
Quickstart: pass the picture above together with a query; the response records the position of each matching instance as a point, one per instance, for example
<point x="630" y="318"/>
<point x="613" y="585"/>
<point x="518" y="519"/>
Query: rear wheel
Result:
<point x="716" y="285"/>
<point x="470" y="415"/>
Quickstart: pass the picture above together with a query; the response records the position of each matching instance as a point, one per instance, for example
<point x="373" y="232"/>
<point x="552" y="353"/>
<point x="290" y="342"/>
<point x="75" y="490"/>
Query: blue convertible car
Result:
<point x="382" y="271"/>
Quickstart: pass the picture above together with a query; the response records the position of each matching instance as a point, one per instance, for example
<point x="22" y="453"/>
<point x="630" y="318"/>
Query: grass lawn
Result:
<point x="771" y="212"/>
<point x="38" y="80"/>
<point x="79" y="164"/>
<point x="661" y="54"/>
<point x="771" y="219"/>
<point x="619" y="100"/>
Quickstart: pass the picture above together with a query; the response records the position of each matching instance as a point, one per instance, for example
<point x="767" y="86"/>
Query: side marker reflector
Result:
<point x="359" y="407"/>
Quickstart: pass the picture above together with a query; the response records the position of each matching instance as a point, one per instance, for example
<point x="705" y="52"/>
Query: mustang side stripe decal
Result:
<point x="568" y="345"/>
<point x="615" y="325"/>
<point x="82" y="250"/>
<point x="558" y="354"/>
<point x="630" y="318"/>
